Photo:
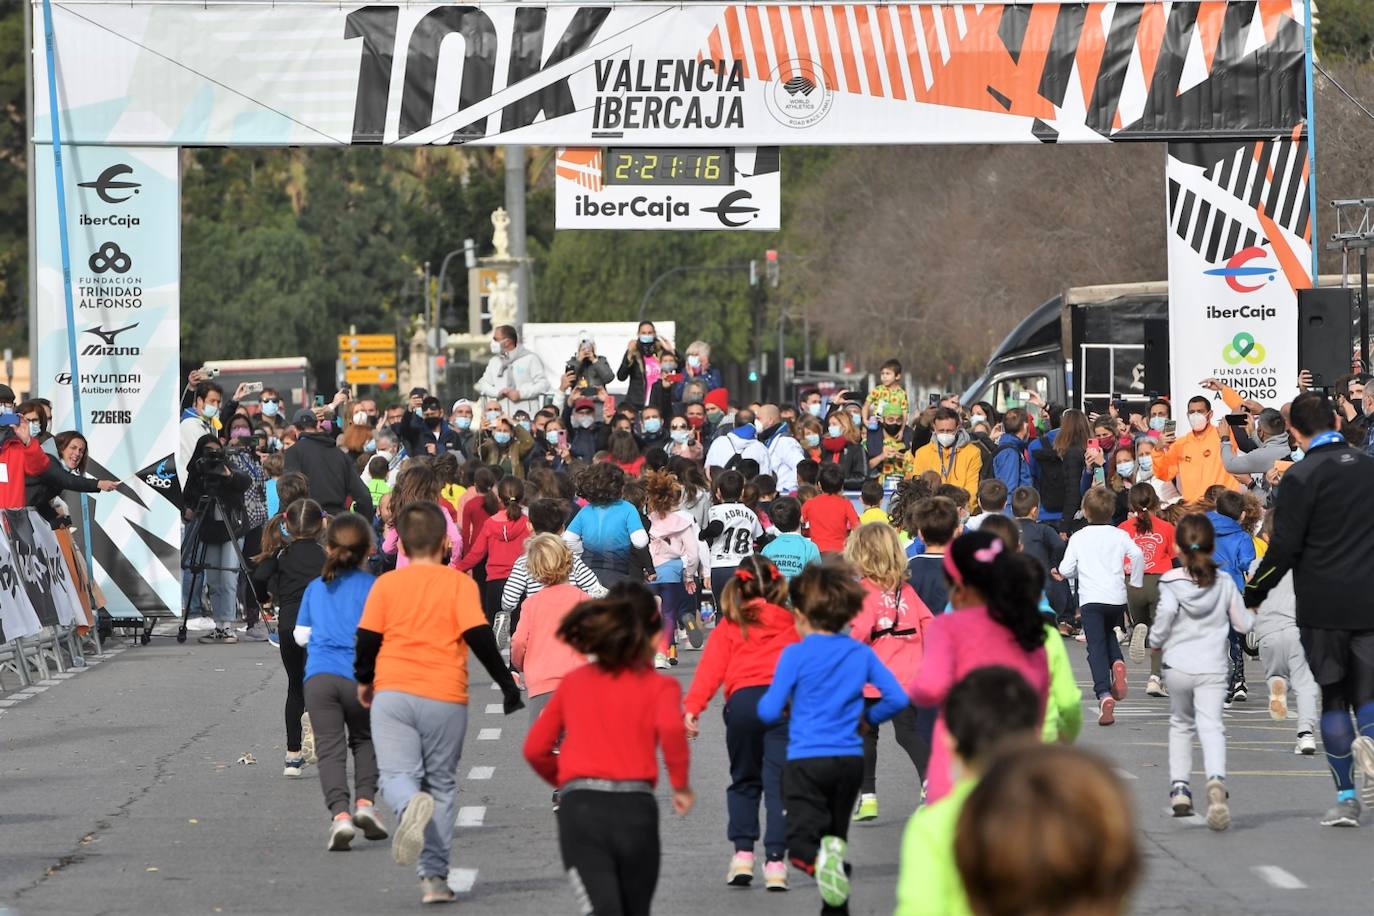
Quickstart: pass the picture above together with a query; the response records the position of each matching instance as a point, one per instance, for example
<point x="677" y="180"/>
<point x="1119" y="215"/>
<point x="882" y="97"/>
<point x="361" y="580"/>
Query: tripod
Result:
<point x="196" y="547"/>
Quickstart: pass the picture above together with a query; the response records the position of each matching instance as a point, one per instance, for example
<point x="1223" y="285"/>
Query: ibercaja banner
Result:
<point x="696" y="74"/>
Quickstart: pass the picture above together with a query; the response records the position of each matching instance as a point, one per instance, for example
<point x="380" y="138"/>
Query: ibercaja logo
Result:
<point x="800" y="93"/>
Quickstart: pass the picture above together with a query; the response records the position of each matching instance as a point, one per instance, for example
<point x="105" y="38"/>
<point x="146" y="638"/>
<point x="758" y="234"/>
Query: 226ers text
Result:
<point x="112" y="416"/>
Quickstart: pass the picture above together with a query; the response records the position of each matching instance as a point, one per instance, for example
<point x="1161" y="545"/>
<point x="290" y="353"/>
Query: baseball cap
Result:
<point x="305" y="417"/>
<point x="461" y="402"/>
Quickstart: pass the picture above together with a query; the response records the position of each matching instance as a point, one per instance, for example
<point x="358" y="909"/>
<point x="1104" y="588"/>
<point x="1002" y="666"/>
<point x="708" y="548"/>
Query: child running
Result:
<point x="996" y="593"/>
<point x="411" y="665"/>
<point x="893" y="621"/>
<point x="1155" y="538"/>
<point x="789" y="551"/>
<point x="742" y="652"/>
<point x="291" y="559"/>
<point x="535" y="649"/>
<point x="1285" y="662"/>
<point x="1096" y="556"/>
<point x="823" y="678"/>
<point x="613" y="716"/>
<point x="500" y="543"/>
<point x="1198" y="607"/>
<point x="674" y="548"/>
<point x="731" y="529"/>
<point x="327" y="628"/>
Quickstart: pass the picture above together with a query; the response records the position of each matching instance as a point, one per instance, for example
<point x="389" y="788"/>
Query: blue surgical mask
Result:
<point x="813" y="440"/>
<point x="501" y="436"/>
<point x="551" y="436"/>
<point x="35" y="428"/>
<point x="1125" y="468"/>
<point x="680" y="436"/>
<point x="652" y="425"/>
<point x="270" y="408"/>
<point x="873" y="423"/>
<point x="815" y="409"/>
<point x="210" y="411"/>
<point x="646" y="339"/>
<point x="1157" y="423"/>
<point x="1147" y="465"/>
<point x="493" y="416"/>
<point x="523" y="424"/>
<point x="463" y="422"/>
<point x="1298" y="453"/>
<point x="694" y="361"/>
<point x="370" y="445"/>
<point x="274" y="443"/>
<point x="669" y="368"/>
<point x="833" y="431"/>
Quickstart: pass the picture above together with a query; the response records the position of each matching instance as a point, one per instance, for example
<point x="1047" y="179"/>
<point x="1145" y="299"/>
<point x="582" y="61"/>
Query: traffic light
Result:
<point x="753" y="370"/>
<point x="771" y="267"/>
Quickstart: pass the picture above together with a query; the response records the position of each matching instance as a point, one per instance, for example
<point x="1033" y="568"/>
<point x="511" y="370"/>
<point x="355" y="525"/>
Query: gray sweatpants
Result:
<point x="1195" y="704"/>
<point x="1283" y="656"/>
<point x="340" y="723"/>
<point x="418" y="743"/>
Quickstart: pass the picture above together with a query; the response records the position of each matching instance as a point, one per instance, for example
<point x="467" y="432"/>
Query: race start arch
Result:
<point x="1223" y="82"/>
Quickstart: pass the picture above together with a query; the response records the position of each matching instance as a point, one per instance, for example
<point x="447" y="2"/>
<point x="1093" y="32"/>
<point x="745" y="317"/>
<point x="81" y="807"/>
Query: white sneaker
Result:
<point x="1363" y="751"/>
<point x="660" y="660"/>
<point x="1154" y="687"/>
<point x="502" y="628"/>
<point x="1139" y="633"/>
<point x="341" y="834"/>
<point x="1306" y="746"/>
<point x="1122" y="636"/>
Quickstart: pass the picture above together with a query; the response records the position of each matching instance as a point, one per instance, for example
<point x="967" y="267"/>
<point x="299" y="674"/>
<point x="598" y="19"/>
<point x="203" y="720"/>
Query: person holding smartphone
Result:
<point x="550" y="448"/>
<point x="1271" y="436"/>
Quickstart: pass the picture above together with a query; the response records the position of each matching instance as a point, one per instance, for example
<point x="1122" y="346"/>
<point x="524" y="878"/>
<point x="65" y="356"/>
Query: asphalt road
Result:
<point x="120" y="793"/>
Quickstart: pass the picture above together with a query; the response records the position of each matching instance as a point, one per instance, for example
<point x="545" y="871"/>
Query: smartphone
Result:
<point x="210" y="373"/>
<point x="1237" y="419"/>
<point x="562" y="438"/>
<point x="934" y="400"/>
<point x="610" y="401"/>
<point x="253" y="388"/>
<point x="1171" y="426"/>
<point x="319" y="400"/>
<point x="1026" y="394"/>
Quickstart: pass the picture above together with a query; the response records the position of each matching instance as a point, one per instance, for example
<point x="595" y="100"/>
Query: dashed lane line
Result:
<point x="1279" y="878"/>
<point x="481" y="772"/>
<point x="489" y="734"/>
<point x="461" y="880"/>
<point x="472" y="816"/>
<point x="495" y="709"/>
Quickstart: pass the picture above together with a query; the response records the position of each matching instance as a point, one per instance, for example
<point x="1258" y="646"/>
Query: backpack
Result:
<point x="1051" y="466"/>
<point x="989" y="468"/>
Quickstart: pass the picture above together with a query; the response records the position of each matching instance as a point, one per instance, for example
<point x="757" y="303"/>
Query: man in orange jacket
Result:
<point x="1195" y="457"/>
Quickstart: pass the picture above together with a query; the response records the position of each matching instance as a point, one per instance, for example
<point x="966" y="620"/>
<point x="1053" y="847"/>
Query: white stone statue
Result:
<point x="502" y="300"/>
<point x="500" y="239"/>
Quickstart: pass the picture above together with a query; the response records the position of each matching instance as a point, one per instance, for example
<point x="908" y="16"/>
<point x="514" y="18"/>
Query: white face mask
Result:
<point x="814" y="409"/>
<point x="496" y="347"/>
<point x="1198" y="421"/>
<point x="945" y="439"/>
<point x="359" y="418"/>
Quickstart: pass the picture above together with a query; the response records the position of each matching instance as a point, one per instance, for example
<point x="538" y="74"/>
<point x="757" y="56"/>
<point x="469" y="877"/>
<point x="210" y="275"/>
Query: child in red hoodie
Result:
<point x="613" y="716"/>
<point x="893" y="621"/>
<point x="742" y="652"/>
<point x="500" y="542"/>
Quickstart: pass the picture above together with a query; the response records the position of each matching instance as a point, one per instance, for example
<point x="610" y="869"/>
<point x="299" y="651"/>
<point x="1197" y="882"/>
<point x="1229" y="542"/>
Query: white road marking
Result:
<point x="1126" y="774"/>
<point x="460" y="880"/>
<point x="472" y="816"/>
<point x="481" y="772"/>
<point x="495" y="709"/>
<point x="1280" y="878"/>
<point x="495" y="686"/>
<point x="12" y="701"/>
<point x="489" y="734"/>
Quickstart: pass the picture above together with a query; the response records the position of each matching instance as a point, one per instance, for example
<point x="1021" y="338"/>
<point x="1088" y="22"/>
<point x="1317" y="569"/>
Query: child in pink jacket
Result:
<point x="535" y="648"/>
<point x="676" y="554"/>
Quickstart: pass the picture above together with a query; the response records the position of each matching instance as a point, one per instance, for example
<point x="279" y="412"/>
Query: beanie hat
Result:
<point x="719" y="397"/>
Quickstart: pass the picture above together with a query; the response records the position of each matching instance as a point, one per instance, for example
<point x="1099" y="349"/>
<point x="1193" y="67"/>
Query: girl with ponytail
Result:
<point x="500" y="543"/>
<point x="1155" y="538"/>
<point x="1197" y="609"/>
<point x="613" y="715"/>
<point x="996" y="592"/>
<point x="327" y="629"/>
<point x="741" y="653"/>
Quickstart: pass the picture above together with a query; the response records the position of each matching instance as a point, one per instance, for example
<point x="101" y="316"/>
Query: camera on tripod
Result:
<point x="210" y="465"/>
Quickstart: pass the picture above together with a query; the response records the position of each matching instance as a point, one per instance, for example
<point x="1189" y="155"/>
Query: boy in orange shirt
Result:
<point x="411" y="667"/>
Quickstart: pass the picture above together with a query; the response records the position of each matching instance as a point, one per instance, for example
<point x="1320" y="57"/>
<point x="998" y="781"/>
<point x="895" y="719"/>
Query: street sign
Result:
<point x="378" y="359"/>
<point x="366" y="342"/>
<point x="370" y="376"/>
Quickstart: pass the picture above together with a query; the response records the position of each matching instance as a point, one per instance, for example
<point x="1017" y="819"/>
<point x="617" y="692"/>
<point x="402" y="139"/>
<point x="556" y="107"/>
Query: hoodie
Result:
<point x="673" y="542"/>
<point x="1235" y="550"/>
<point x="741" y="657"/>
<point x="535" y="648"/>
<point x="332" y="475"/>
<point x="1009" y="462"/>
<point x="960" y="464"/>
<point x="500" y="543"/>
<point x="1192" y="624"/>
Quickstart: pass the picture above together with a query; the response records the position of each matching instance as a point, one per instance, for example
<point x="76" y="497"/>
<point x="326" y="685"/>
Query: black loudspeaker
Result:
<point x="1324" y="334"/>
<point x="1157" y="355"/>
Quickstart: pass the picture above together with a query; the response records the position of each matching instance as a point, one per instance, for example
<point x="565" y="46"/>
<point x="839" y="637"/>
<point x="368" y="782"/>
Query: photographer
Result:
<point x="333" y="477"/>
<point x="243" y="457"/>
<point x="586" y="372"/>
<point x="208" y="474"/>
<point x="43" y="491"/>
<point x="424" y="430"/>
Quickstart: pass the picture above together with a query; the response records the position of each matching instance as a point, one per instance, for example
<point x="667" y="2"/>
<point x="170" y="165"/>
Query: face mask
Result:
<point x="501" y="436"/>
<point x="496" y="347"/>
<point x="893" y="429"/>
<point x="493" y="416"/>
<point x="463" y="422"/>
<point x="872" y="423"/>
<point x="1125" y="468"/>
<point x="680" y="436"/>
<point x="370" y="445"/>
<point x="945" y="439"/>
<point x="813" y="440"/>
<point x="646" y="339"/>
<point x="1147" y="465"/>
<point x="694" y="361"/>
<point x="1198" y="421"/>
<point x="668" y="368"/>
<point x="833" y="432"/>
<point x="977" y="418"/>
<point x="210" y="411"/>
<point x="433" y="422"/>
<point x="1297" y="453"/>
<point x="327" y="426"/>
<point x="652" y="425"/>
<point x="523" y="424"/>
<point x="1157" y="423"/>
<point x="715" y="415"/>
<point x="551" y="436"/>
<point x="237" y="433"/>
<point x="36" y="428"/>
<point x="582" y="421"/>
<point x="270" y="408"/>
<point x="696" y="422"/>
<point x="814" y="409"/>
<point x="360" y="418"/>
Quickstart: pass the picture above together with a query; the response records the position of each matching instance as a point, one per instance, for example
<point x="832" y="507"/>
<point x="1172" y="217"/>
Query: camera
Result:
<point x="210" y="464"/>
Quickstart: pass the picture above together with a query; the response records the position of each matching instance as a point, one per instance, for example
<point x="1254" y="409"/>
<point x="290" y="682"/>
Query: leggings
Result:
<point x="491" y="602"/>
<point x="904" y="726"/>
<point x="293" y="660"/>
<point x="676" y="605"/>
<point x="612" y="872"/>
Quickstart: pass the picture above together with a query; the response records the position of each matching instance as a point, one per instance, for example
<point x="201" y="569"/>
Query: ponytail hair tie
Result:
<point x="989" y="553"/>
<point x="1194" y="546"/>
<point x="744" y="575"/>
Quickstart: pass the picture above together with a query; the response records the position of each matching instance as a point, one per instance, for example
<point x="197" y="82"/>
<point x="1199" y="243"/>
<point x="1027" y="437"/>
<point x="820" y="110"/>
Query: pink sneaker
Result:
<point x="775" y="875"/>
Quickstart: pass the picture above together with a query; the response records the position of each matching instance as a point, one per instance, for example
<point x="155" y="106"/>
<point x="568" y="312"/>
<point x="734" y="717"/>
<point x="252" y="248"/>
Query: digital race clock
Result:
<point x="665" y="166"/>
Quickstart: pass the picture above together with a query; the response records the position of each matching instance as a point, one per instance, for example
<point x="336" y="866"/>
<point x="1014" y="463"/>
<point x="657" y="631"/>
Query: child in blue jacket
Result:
<point x="1234" y="555"/>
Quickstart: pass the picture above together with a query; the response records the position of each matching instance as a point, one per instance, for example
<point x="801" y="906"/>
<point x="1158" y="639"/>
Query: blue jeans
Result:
<point x="757" y="754"/>
<point x="418" y="743"/>
<point x="221" y="582"/>
<point x="1103" y="649"/>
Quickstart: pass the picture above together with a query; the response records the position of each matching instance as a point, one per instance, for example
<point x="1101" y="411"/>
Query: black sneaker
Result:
<point x="218" y="637"/>
<point x="692" y="626"/>
<point x="556" y="799"/>
<point x="1239" y="694"/>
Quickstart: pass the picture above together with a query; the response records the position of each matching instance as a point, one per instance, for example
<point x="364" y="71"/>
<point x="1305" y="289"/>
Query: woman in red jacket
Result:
<point x="500" y="543"/>
<point x="742" y="652"/>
